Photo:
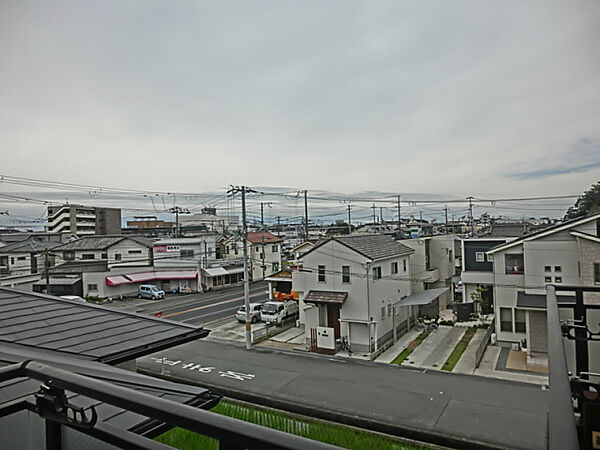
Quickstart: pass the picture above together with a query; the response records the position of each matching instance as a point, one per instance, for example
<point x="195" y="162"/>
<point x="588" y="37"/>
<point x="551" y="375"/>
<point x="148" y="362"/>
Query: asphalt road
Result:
<point x="461" y="411"/>
<point x="201" y="308"/>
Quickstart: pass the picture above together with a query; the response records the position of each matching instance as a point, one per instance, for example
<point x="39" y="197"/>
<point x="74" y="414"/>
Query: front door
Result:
<point x="333" y="319"/>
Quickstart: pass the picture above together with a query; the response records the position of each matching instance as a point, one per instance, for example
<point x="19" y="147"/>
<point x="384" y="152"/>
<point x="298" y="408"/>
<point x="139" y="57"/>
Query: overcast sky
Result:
<point x="452" y="98"/>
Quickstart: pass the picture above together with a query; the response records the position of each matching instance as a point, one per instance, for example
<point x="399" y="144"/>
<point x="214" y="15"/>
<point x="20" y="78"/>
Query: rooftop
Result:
<point x="372" y="246"/>
<point x="101" y="242"/>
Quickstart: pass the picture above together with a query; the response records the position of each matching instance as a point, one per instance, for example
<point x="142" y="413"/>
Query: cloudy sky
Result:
<point x="449" y="98"/>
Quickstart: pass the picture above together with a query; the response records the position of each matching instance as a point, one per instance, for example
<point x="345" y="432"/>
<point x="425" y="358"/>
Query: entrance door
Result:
<point x="333" y="319"/>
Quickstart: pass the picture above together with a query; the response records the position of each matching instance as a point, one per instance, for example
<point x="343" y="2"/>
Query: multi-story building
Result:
<point x="567" y="253"/>
<point x="432" y="264"/>
<point x="355" y="287"/>
<point x="84" y="220"/>
<point x="264" y="253"/>
<point x="22" y="263"/>
<point x="208" y="218"/>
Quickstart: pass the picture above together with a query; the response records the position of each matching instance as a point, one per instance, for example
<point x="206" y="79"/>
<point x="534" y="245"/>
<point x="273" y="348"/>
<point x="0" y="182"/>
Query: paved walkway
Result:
<point x="390" y="354"/>
<point x="487" y="368"/>
<point x="428" y="347"/>
<point x="466" y="363"/>
<point x="445" y="408"/>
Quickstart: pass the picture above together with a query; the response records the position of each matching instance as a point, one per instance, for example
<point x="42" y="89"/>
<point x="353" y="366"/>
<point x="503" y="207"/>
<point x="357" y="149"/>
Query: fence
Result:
<point x="484" y="342"/>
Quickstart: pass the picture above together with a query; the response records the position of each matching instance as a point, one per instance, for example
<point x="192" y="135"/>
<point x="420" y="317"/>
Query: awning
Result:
<point x="216" y="271"/>
<point x="421" y="298"/>
<point x="58" y="281"/>
<point x="141" y="277"/>
<point x="538" y="301"/>
<point x="326" y="297"/>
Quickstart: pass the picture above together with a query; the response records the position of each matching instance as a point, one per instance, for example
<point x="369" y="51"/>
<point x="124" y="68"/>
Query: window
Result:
<point x="275" y="267"/>
<point x="21" y="258"/>
<point x="88" y="256"/>
<point x="92" y="287"/>
<point x="389" y="310"/>
<point x="394" y="268"/>
<point x="506" y="319"/>
<point x="558" y="279"/>
<point x="345" y="274"/>
<point x="274" y="248"/>
<point x="68" y="256"/>
<point x="382" y="312"/>
<point x="377" y="273"/>
<point x="117" y="257"/>
<point x="450" y="256"/>
<point x="135" y="252"/>
<point x="490" y="258"/>
<point x="479" y="257"/>
<point x="548" y="279"/>
<point x="186" y="253"/>
<point x="596" y="273"/>
<point x="404" y="265"/>
<point x="520" y="322"/>
<point x="321" y="273"/>
<point x="104" y="256"/>
<point x="557" y="268"/>
<point x="514" y="263"/>
<point x="547" y="268"/>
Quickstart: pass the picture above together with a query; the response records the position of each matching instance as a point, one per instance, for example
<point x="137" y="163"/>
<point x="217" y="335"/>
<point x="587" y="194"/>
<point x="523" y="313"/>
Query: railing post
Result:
<point x="581" y="343"/>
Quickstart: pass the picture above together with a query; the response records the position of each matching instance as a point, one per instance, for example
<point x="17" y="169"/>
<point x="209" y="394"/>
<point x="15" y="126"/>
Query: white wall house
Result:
<point x="115" y="251"/>
<point x="23" y="263"/>
<point x="568" y="254"/>
<point x="350" y="284"/>
<point x="264" y="253"/>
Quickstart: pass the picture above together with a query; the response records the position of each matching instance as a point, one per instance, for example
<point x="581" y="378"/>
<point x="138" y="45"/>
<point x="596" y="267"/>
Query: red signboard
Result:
<point x="160" y="249"/>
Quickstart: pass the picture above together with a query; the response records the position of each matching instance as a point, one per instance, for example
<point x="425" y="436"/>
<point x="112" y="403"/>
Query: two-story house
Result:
<point x="264" y="253"/>
<point x="23" y="263"/>
<point x="567" y="253"/>
<point x="432" y="264"/>
<point x="355" y="285"/>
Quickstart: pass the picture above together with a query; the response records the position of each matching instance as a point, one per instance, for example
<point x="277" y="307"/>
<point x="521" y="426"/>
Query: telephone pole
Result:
<point x="471" y="216"/>
<point x="380" y="215"/>
<point x="349" y="220"/>
<point x="178" y="210"/>
<point x="399" y="220"/>
<point x="262" y="237"/>
<point x="374" y="217"/>
<point x="305" y="215"/>
<point x="446" y="214"/>
<point x="46" y="271"/>
<point x="244" y="190"/>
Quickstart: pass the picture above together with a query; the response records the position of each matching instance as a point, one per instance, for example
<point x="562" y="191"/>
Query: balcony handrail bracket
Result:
<point x="51" y="403"/>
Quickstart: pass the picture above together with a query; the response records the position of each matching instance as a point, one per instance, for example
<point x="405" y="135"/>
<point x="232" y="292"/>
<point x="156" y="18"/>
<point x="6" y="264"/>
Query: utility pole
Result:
<point x="374" y="217"/>
<point x="471" y="216"/>
<point x="262" y="237"/>
<point x="47" y="271"/>
<point x="305" y="215"/>
<point x="399" y="220"/>
<point x="446" y="214"/>
<point x="243" y="190"/>
<point x="421" y="217"/>
<point x="349" y="220"/>
<point x="381" y="215"/>
<point x="178" y="210"/>
<point x="278" y="226"/>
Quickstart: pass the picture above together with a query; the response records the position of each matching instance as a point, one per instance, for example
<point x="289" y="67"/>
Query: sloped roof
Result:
<point x="326" y="297"/>
<point x="371" y="246"/>
<point x="101" y="242"/>
<point x="256" y="238"/>
<point x="85" y="330"/>
<point x="30" y="245"/>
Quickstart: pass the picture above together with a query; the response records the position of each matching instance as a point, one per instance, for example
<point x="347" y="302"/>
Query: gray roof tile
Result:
<point x="372" y="246"/>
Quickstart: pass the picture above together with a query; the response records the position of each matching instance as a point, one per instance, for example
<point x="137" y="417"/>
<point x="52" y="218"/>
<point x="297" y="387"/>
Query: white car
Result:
<point x="255" y="309"/>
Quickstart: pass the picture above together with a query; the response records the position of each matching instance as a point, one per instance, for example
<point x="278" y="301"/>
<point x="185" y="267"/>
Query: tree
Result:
<point x="481" y="301"/>
<point x="588" y="203"/>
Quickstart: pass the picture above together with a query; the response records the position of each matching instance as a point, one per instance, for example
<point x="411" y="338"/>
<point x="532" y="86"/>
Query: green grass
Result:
<point x="411" y="347"/>
<point x="459" y="349"/>
<point x="339" y="435"/>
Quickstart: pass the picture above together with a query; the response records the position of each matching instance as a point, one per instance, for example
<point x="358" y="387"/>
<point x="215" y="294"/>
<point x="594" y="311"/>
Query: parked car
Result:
<point x="275" y="312"/>
<point x="150" y="291"/>
<point x="77" y="298"/>
<point x="458" y="287"/>
<point x="255" y="313"/>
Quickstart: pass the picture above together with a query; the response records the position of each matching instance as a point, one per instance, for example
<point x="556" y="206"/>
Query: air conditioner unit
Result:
<point x="516" y="346"/>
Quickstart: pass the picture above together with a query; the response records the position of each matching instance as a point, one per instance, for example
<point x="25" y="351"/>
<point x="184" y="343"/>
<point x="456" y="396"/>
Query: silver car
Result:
<point x="255" y="309"/>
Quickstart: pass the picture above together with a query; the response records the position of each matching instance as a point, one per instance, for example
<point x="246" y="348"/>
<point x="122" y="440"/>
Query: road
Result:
<point x="460" y="411"/>
<point x="198" y="308"/>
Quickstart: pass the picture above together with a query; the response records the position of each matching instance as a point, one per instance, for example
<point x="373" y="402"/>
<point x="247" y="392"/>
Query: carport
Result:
<point x="417" y="299"/>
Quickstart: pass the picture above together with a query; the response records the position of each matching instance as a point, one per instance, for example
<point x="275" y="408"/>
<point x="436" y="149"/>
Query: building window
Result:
<point x="548" y="279"/>
<point x="117" y="257"/>
<point x="514" y="264"/>
<point x="345" y="274"/>
<point x="557" y="268"/>
<point x="186" y="253"/>
<point x="88" y="256"/>
<point x="490" y="258"/>
<point x="377" y="273"/>
<point x="21" y="258"/>
<point x="558" y="279"/>
<point x="547" y="268"/>
<point x="104" y="256"/>
<point x="404" y="265"/>
<point x="389" y="310"/>
<point x="92" y="287"/>
<point x="69" y="256"/>
<point x="275" y="267"/>
<point x="382" y="312"/>
<point x="321" y="273"/>
<point x="506" y="319"/>
<point x="596" y="273"/>
<point x="479" y="257"/>
<point x="274" y="249"/>
<point x="135" y="252"/>
<point x="520" y="322"/>
<point x="394" y="268"/>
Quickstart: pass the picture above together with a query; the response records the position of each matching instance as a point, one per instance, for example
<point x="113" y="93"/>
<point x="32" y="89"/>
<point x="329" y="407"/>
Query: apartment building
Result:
<point x="264" y="253"/>
<point x="84" y="220"/>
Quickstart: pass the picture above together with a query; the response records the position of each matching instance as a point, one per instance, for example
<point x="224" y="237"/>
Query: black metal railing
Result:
<point x="52" y="405"/>
<point x="574" y="418"/>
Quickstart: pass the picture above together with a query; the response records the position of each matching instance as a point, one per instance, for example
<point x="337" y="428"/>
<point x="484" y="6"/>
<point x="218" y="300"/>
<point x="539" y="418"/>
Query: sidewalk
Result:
<point x="390" y="354"/>
<point x="429" y="347"/>
<point x="466" y="363"/>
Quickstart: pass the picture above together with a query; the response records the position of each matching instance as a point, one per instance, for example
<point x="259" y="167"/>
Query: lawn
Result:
<point x="459" y="349"/>
<point x="339" y="435"/>
<point x="411" y="347"/>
